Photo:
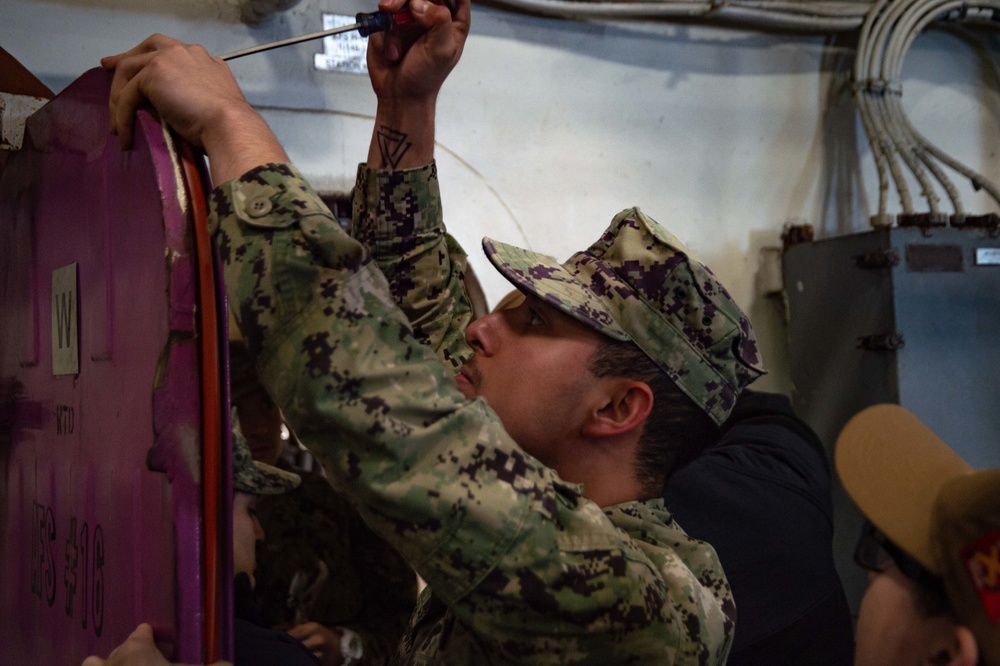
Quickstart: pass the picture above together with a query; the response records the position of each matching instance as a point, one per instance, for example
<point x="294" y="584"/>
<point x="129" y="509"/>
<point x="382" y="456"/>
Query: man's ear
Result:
<point x="957" y="647"/>
<point x="627" y="405"/>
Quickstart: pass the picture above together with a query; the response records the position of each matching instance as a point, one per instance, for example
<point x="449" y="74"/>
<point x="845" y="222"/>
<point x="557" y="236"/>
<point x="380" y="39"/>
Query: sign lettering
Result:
<point x="65" y="420"/>
<point x="43" y="575"/>
<point x="83" y="573"/>
<point x="65" y="344"/>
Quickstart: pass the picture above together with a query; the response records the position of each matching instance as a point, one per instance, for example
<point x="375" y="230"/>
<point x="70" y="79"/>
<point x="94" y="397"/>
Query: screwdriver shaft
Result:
<point x="290" y="40"/>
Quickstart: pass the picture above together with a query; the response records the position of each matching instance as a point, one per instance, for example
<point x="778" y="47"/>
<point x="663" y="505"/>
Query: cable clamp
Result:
<point x="879" y="87"/>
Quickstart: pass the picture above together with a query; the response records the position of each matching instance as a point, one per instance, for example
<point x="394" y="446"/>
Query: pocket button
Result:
<point x="259" y="207"/>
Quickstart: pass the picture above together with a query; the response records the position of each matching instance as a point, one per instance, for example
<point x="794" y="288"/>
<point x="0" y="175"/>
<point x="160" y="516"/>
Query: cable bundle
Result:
<point x="805" y="16"/>
<point x="898" y="148"/>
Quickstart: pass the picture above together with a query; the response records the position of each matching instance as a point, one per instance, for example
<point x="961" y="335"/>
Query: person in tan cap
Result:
<point x="932" y="544"/>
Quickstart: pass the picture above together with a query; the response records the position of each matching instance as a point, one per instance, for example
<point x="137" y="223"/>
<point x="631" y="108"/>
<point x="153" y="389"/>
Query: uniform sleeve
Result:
<point x="397" y="216"/>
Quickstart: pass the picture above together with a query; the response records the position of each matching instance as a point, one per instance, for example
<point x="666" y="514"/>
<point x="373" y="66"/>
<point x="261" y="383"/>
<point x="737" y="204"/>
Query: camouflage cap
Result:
<point x="253" y="477"/>
<point x="639" y="283"/>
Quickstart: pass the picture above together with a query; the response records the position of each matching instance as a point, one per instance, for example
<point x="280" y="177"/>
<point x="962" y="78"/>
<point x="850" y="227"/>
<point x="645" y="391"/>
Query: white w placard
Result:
<point x="65" y="345"/>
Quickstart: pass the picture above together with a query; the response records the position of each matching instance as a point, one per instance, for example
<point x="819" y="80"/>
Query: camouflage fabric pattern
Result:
<point x="320" y="562"/>
<point x="399" y="225"/>
<point x="520" y="566"/>
<point x="253" y="477"/>
<point x="639" y="283"/>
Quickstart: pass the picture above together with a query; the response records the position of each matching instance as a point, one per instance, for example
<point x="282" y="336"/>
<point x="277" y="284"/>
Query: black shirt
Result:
<point x="761" y="497"/>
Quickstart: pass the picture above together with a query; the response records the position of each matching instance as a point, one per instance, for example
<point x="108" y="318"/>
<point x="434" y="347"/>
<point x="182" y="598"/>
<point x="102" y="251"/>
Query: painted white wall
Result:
<point x="548" y="128"/>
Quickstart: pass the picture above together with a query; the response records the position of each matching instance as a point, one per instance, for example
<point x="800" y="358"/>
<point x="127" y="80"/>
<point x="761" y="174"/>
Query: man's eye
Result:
<point x="535" y="320"/>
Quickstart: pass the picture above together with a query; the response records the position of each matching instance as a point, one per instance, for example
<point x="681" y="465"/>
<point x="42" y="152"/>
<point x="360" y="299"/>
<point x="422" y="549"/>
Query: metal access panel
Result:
<point x="101" y="428"/>
<point x="900" y="315"/>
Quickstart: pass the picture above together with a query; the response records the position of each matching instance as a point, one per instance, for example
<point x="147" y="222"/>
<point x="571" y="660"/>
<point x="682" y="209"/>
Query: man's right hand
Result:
<point x="410" y="62"/>
<point x="407" y="66"/>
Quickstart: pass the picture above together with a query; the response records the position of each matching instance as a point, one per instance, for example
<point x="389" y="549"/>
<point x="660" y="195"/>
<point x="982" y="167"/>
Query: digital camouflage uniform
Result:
<point x="320" y="562"/>
<point x="520" y="566"/>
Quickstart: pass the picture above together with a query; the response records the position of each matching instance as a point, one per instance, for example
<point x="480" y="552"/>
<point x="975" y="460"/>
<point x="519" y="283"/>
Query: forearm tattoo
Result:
<point x="393" y="145"/>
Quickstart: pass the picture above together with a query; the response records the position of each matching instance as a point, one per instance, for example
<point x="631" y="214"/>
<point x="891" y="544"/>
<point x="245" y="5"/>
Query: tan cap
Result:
<point x="932" y="504"/>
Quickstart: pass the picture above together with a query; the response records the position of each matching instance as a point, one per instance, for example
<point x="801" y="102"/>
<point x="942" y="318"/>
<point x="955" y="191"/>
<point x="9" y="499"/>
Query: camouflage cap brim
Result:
<point x="265" y="479"/>
<point x="253" y="477"/>
<point x="543" y="276"/>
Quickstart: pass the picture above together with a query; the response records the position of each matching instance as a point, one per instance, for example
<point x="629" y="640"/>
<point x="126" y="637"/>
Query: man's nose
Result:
<point x="483" y="334"/>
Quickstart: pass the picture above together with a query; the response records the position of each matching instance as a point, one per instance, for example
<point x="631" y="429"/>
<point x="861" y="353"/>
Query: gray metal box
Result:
<point x="899" y="315"/>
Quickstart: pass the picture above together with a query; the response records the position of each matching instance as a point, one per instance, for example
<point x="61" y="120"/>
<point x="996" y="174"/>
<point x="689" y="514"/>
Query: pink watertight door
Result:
<point x="101" y="431"/>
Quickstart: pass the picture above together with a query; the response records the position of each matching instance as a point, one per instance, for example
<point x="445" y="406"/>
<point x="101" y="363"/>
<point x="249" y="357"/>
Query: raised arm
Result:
<point x="397" y="203"/>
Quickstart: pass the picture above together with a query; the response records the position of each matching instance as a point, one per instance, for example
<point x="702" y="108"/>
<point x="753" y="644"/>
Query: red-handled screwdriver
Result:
<point x="366" y="24"/>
